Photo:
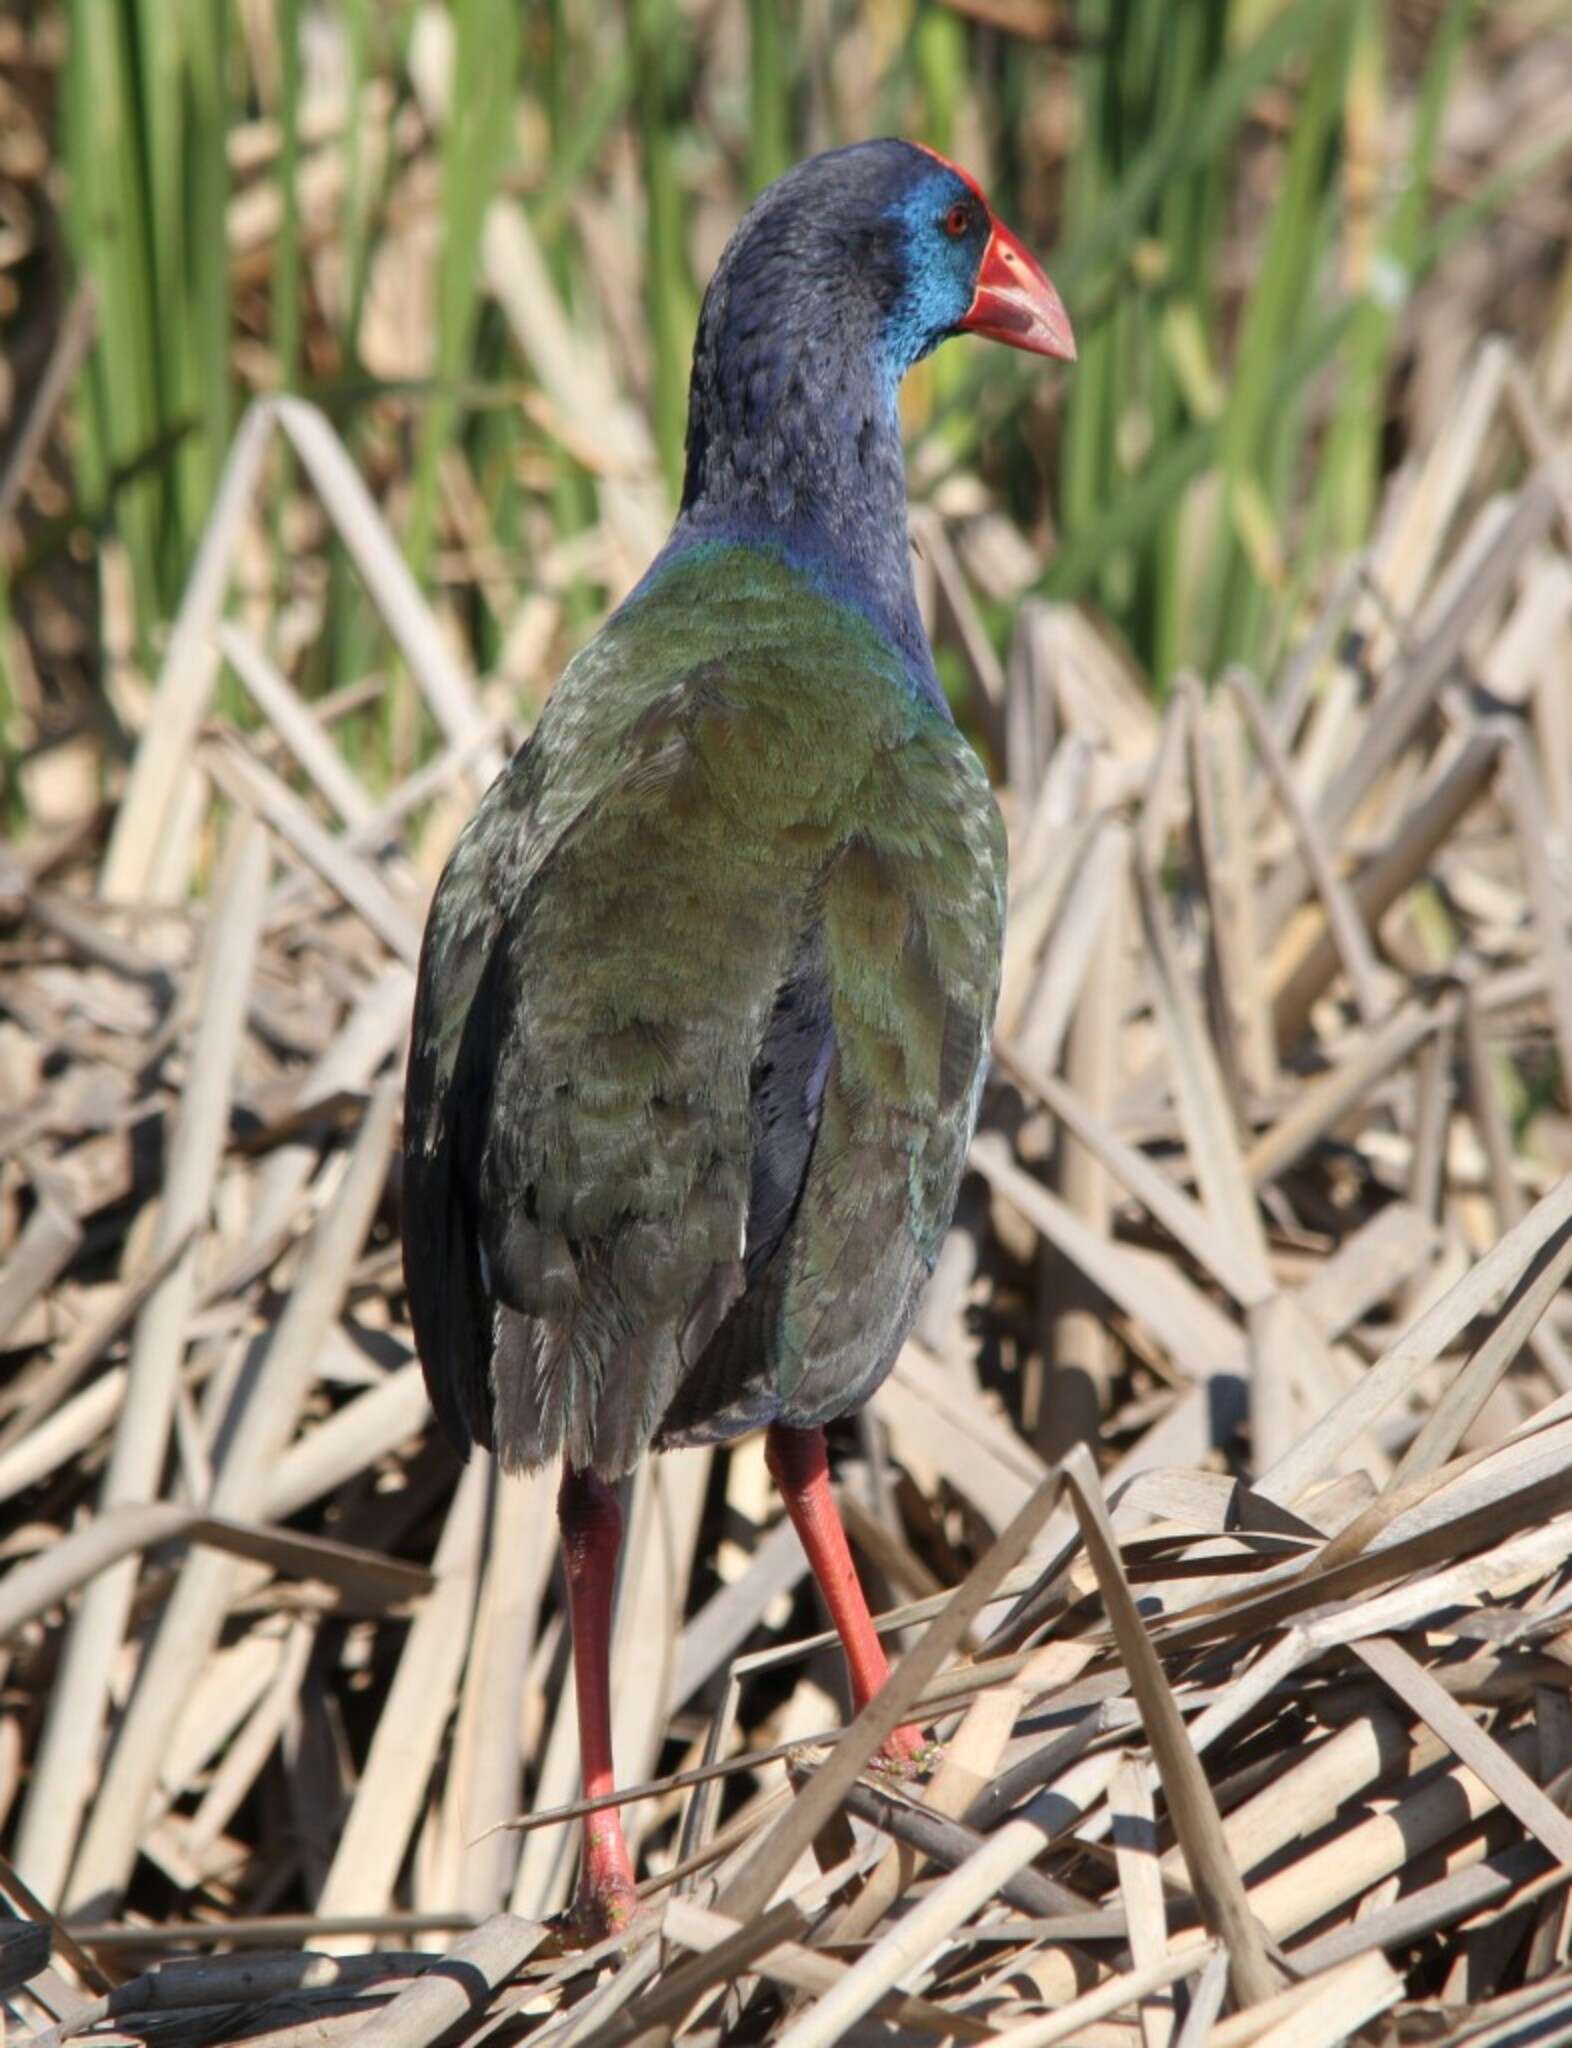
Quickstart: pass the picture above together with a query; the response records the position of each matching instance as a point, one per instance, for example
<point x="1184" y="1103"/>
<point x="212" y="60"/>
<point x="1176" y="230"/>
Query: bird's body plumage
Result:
<point x="704" y="1004"/>
<point x="707" y="985"/>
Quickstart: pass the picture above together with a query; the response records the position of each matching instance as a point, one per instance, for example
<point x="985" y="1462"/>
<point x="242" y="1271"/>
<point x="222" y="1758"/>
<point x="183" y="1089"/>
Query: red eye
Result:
<point x="958" y="219"/>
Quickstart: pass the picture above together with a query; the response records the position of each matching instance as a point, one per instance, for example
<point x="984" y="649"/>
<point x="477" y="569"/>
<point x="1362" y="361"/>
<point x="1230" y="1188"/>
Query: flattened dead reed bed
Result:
<point x="1222" y="1501"/>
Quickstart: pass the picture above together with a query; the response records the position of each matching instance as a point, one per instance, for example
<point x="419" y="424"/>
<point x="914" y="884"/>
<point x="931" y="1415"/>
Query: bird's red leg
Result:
<point x="800" y="1467"/>
<point x="590" y="1518"/>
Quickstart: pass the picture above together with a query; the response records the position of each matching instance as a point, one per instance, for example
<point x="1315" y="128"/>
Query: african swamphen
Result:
<point x="706" y="991"/>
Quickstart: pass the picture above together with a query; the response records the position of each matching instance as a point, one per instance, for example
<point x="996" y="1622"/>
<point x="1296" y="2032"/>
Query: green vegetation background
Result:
<point x="1236" y="198"/>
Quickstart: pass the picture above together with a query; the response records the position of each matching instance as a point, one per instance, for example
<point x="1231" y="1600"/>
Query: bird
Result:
<point x="707" y="985"/>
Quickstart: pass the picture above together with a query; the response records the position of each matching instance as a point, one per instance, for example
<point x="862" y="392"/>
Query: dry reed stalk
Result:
<point x="1317" y="1558"/>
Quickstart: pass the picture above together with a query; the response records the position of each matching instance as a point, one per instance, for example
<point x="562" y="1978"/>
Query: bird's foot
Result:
<point x="608" y="1899"/>
<point x="907" y="1753"/>
<point x="605" y="1909"/>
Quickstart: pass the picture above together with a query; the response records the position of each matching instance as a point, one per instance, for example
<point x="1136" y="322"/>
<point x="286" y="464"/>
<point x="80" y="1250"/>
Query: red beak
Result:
<point x="1014" y="302"/>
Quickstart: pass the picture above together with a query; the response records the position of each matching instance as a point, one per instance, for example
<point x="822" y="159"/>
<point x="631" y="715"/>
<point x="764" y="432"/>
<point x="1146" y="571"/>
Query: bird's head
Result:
<point x="954" y="268"/>
<point x="842" y="275"/>
<point x="871" y="256"/>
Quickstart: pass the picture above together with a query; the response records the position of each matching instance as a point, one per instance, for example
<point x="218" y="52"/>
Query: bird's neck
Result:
<point x="800" y="449"/>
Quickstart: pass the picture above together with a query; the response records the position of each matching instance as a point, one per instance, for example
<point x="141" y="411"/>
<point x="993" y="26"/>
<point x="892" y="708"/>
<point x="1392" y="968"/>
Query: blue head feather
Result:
<point x="843" y="274"/>
<point x="943" y="229"/>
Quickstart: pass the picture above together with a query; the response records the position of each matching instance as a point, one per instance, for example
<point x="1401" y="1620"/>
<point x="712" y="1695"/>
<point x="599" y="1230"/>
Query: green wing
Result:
<point x="908" y="915"/>
<point x="734" y="828"/>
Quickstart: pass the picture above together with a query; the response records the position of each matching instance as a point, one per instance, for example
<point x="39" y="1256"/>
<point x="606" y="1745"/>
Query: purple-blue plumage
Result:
<point x="842" y="275"/>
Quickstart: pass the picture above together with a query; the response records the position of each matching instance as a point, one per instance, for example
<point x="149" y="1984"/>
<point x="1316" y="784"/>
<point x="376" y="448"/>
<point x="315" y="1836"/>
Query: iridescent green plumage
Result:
<point x="703" y="1012"/>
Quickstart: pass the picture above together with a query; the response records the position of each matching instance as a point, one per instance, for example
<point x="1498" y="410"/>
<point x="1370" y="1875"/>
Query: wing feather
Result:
<point x="909" y="922"/>
<point x="700" y="1025"/>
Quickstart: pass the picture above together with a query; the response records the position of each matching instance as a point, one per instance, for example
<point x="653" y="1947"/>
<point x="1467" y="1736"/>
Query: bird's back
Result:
<point x="703" y="1010"/>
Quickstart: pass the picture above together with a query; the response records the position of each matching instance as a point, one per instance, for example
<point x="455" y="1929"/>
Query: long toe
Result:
<point x="907" y="1752"/>
<point x="607" y="1904"/>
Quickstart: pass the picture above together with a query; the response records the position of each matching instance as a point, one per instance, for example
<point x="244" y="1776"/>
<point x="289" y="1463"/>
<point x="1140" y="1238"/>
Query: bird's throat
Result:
<point x="804" y="455"/>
